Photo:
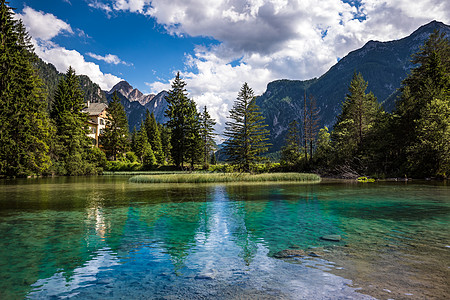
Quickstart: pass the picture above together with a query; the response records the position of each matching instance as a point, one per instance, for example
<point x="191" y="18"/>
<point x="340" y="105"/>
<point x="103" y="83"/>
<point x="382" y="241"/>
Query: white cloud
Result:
<point x="274" y="39"/>
<point x="264" y="40"/>
<point x="109" y="58"/>
<point x="43" y="27"/>
<point x="100" y="5"/>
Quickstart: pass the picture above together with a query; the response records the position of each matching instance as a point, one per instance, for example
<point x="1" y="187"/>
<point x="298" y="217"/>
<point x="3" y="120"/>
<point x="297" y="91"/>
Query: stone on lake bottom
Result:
<point x="288" y="253"/>
<point x="331" y="238"/>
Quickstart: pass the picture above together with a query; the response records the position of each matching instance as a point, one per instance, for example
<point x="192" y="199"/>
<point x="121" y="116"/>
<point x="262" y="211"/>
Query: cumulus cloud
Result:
<point x="109" y="58"/>
<point x="264" y="40"/>
<point x="43" y="27"/>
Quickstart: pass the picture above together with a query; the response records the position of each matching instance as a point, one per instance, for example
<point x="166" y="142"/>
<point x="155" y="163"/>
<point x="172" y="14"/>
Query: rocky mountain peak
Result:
<point x="124" y="87"/>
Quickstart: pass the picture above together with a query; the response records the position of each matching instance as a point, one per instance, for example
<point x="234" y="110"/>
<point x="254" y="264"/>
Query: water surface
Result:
<point x="102" y="237"/>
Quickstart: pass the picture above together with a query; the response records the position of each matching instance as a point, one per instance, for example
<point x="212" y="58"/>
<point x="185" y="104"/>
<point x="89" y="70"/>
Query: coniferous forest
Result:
<point x="43" y="130"/>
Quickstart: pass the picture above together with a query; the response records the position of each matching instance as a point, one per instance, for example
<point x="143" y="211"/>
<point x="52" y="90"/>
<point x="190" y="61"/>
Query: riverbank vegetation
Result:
<point x="225" y="177"/>
<point x="41" y="139"/>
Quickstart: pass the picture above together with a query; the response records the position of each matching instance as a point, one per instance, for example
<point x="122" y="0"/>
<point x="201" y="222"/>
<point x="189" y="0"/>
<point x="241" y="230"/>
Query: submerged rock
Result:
<point x="288" y="253"/>
<point x="331" y="238"/>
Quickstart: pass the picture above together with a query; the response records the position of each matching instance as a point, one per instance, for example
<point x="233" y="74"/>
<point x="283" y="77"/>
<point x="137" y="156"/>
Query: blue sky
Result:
<point x="217" y="45"/>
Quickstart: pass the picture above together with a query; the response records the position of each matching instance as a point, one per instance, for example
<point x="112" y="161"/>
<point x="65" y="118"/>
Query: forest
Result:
<point x="41" y="139"/>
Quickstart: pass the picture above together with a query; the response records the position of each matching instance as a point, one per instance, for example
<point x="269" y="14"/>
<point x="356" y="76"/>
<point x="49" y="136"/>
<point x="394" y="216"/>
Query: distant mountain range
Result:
<point x="383" y="64"/>
<point x="133" y="100"/>
<point x="136" y="104"/>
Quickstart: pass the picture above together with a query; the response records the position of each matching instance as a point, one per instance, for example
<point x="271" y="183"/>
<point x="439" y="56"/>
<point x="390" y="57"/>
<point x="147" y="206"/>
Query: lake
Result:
<point x="103" y="237"/>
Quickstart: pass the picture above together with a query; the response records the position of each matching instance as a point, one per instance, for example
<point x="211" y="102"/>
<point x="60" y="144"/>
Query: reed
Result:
<point x="227" y="177"/>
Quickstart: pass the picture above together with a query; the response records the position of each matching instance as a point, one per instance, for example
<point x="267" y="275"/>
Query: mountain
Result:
<point x="136" y="103"/>
<point x="131" y="93"/>
<point x="50" y="76"/>
<point x="383" y="64"/>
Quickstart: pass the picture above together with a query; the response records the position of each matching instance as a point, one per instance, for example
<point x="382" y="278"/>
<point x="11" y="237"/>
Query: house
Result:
<point x="98" y="117"/>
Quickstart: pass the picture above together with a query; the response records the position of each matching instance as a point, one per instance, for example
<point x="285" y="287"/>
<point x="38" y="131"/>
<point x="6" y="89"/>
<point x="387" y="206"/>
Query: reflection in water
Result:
<point x="102" y="237"/>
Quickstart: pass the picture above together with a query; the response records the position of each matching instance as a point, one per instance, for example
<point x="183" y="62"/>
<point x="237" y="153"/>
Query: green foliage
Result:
<point x="247" y="135"/>
<point x="97" y="157"/>
<point x="115" y="138"/>
<point x="323" y="153"/>
<point x="71" y="147"/>
<point x="131" y="156"/>
<point x="422" y="136"/>
<point x="290" y="152"/>
<point x="25" y="130"/>
<point x="154" y="136"/>
<point x="207" y="136"/>
<point x="165" y="143"/>
<point x="360" y="112"/>
<point x="183" y="125"/>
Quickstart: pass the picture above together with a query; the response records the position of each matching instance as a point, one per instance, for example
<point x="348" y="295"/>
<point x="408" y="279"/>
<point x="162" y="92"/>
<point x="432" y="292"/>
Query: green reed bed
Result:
<point x="144" y="172"/>
<point x="224" y="177"/>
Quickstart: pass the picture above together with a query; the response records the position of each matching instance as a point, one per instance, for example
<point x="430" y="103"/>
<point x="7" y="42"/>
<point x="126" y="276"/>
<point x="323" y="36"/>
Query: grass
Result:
<point x="227" y="177"/>
<point x="143" y="172"/>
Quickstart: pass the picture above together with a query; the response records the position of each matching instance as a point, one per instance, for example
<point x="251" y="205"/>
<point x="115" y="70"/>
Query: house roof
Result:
<point x="95" y="109"/>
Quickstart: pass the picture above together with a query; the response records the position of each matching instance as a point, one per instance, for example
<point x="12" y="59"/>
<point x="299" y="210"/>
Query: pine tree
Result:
<point x="165" y="142"/>
<point x="359" y="113"/>
<point x="427" y="87"/>
<point x="72" y="142"/>
<point x="144" y="149"/>
<point x="115" y="138"/>
<point x="194" y="142"/>
<point x="207" y="135"/>
<point x="154" y="136"/>
<point x="25" y="130"/>
<point x="247" y="135"/>
<point x="133" y="139"/>
<point x="182" y="118"/>
<point x="290" y="152"/>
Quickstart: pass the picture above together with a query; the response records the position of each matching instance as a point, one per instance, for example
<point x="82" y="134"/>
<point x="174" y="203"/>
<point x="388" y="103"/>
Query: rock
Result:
<point x="331" y="238"/>
<point x="314" y="254"/>
<point x="288" y="253"/>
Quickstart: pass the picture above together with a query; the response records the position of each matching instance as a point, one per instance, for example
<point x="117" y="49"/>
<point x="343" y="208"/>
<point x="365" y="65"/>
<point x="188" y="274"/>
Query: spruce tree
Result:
<point x="144" y="149"/>
<point x="115" y="138"/>
<point x="359" y="113"/>
<point x="290" y="152"/>
<point x="246" y="133"/>
<point x="165" y="143"/>
<point x="182" y="123"/>
<point x="207" y="135"/>
<point x="25" y="129"/>
<point x="154" y="136"/>
<point x="72" y="143"/>
<point x="427" y="87"/>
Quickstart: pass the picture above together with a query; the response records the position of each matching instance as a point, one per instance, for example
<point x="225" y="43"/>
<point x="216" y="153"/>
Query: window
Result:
<point x="94" y="130"/>
<point x="102" y="131"/>
<point x="102" y="122"/>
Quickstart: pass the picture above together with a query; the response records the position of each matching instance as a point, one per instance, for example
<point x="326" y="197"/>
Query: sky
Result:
<point x="216" y="45"/>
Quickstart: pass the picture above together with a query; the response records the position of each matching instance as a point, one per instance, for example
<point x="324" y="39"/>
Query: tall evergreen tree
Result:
<point x="207" y="135"/>
<point x="25" y="130"/>
<point x="144" y="149"/>
<point x="115" y="138"/>
<point x="165" y="143"/>
<point x="359" y="113"/>
<point x="312" y="124"/>
<point x="72" y="142"/>
<point x="154" y="136"/>
<point x="182" y="118"/>
<point x="246" y="133"/>
<point x="425" y="89"/>
<point x="194" y="140"/>
<point x="290" y="152"/>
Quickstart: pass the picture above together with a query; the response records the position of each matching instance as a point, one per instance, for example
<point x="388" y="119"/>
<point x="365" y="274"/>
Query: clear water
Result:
<point x="102" y="237"/>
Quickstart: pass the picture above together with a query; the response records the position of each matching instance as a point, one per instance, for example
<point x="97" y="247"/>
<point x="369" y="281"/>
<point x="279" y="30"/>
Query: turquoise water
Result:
<point x="102" y="237"/>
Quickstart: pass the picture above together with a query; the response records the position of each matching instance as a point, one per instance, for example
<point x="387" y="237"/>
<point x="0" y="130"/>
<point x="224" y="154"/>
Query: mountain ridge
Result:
<point x="383" y="65"/>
